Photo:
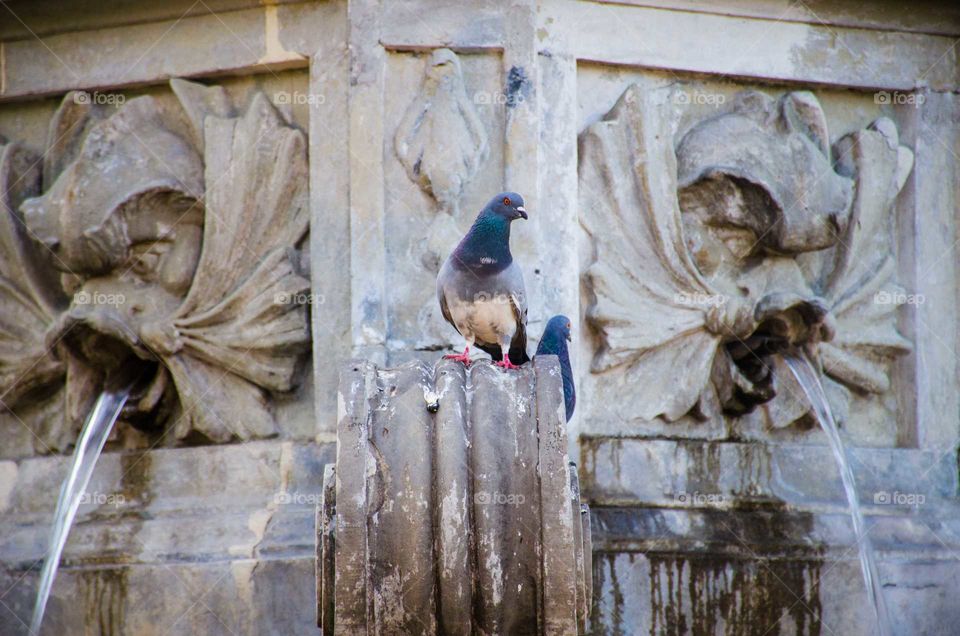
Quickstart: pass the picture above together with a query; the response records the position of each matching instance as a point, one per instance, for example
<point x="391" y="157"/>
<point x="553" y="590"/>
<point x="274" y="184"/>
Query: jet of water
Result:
<point x="94" y="435"/>
<point x="805" y="373"/>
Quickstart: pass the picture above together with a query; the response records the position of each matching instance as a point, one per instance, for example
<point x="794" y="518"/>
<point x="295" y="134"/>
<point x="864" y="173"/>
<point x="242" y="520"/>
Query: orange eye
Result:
<point x="506" y="200"/>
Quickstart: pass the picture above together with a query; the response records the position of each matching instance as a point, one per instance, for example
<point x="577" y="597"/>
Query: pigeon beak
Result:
<point x="522" y="211"/>
<point x="569" y="338"/>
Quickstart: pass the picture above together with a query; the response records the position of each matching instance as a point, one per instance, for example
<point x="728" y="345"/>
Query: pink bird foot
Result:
<point x="506" y="365"/>
<point x="460" y="357"/>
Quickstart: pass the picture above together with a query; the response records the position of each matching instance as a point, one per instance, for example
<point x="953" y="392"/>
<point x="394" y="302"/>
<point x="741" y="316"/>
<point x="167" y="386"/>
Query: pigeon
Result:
<point x="554" y="343"/>
<point x="480" y="288"/>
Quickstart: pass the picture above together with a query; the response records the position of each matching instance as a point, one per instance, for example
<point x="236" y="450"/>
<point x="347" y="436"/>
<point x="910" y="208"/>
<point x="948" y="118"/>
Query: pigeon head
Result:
<point x="555" y="336"/>
<point x="507" y="205"/>
<point x="486" y="247"/>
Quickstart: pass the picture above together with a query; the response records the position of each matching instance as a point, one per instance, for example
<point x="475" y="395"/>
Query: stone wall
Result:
<point x="701" y="178"/>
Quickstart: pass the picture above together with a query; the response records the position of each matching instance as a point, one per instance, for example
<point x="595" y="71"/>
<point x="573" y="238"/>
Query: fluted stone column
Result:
<point x="453" y="507"/>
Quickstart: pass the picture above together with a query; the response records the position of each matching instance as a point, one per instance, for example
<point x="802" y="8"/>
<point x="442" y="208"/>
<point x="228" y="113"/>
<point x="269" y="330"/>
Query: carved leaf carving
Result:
<point x="748" y="238"/>
<point x="240" y="316"/>
<point x="26" y="363"/>
<point x="642" y="269"/>
<point x="862" y="281"/>
<point x="183" y="228"/>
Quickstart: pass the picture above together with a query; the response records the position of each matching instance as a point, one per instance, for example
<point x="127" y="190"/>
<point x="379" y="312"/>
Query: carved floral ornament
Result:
<point x="159" y="238"/>
<point x="748" y="234"/>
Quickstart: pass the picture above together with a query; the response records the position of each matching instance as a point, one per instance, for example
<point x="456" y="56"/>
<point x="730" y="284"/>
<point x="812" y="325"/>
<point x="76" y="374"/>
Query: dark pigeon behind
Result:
<point x="556" y="335"/>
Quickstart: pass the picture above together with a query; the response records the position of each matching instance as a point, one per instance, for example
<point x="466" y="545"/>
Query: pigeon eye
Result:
<point x="506" y="200"/>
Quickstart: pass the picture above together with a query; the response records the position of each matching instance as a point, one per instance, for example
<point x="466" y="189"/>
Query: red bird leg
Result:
<point x="505" y="363"/>
<point x="460" y="357"/>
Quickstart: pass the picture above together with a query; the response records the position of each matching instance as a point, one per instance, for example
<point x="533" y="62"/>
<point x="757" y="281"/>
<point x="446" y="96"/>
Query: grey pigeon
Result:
<point x="481" y="290"/>
<point x="554" y="341"/>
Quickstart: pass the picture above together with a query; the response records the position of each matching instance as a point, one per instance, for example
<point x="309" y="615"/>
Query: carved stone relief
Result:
<point x="441" y="141"/>
<point x="160" y="241"/>
<point x="744" y="236"/>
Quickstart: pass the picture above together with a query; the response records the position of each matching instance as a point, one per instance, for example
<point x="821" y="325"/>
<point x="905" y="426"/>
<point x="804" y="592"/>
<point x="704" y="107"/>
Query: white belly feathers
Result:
<point x="488" y="321"/>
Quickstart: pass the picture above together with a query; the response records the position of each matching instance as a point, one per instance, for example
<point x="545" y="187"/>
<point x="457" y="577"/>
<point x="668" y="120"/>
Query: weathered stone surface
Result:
<point x="441" y="140"/>
<point x="693" y="473"/>
<point x="175" y="235"/>
<point x="229" y="525"/>
<point x="679" y="572"/>
<point x="738" y="245"/>
<point x="539" y="75"/>
<point x="243" y="597"/>
<point x="456" y="518"/>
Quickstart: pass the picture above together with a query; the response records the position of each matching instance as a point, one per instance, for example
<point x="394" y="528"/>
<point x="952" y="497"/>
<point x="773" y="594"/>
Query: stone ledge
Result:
<point x="173" y="505"/>
<point x="257" y="40"/>
<point x="772" y="534"/>
<point x="240" y="597"/>
<point x="728" y="475"/>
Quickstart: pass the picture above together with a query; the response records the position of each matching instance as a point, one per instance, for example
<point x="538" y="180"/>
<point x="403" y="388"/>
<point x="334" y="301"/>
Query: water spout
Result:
<point x="94" y="435"/>
<point x="805" y="373"/>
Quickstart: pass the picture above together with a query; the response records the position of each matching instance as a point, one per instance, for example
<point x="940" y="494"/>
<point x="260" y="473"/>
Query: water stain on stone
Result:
<point x="136" y="469"/>
<point x="713" y="595"/>
<point x="104" y="594"/>
<point x="607" y="561"/>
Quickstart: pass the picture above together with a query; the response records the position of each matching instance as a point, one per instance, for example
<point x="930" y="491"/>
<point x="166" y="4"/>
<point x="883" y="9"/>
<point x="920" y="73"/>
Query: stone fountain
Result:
<point x="711" y="187"/>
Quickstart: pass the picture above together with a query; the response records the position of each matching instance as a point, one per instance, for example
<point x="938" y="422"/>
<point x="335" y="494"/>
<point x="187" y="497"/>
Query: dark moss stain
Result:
<point x="705" y="467"/>
<point x="104" y="594"/>
<point x="703" y="596"/>
<point x="608" y="561"/>
<point x="133" y="497"/>
<point x="136" y="468"/>
<point x="754" y="464"/>
<point x="518" y="86"/>
<point x="703" y="464"/>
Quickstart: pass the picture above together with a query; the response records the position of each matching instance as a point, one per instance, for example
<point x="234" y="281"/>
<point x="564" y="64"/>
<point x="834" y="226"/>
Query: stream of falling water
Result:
<point x="94" y="435"/>
<point x="805" y="373"/>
